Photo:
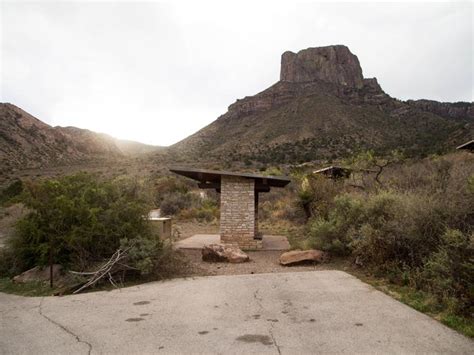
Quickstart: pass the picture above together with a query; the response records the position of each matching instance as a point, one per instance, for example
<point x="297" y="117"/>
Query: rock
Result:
<point x="223" y="252"/>
<point x="38" y="274"/>
<point x="296" y="256"/>
<point x="333" y="64"/>
<point x="456" y="110"/>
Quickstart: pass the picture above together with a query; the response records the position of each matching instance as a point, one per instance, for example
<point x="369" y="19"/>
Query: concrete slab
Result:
<point x="198" y="241"/>
<point x="318" y="312"/>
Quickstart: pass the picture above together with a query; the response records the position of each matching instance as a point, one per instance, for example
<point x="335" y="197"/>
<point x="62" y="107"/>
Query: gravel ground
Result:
<point x="260" y="262"/>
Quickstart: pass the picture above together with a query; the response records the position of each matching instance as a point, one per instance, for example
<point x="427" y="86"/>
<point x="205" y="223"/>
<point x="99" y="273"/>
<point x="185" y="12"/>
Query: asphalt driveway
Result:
<point x="286" y="313"/>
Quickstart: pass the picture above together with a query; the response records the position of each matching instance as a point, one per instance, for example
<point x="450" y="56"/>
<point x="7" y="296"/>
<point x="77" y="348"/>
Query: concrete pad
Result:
<point x="318" y="312"/>
<point x="198" y="241"/>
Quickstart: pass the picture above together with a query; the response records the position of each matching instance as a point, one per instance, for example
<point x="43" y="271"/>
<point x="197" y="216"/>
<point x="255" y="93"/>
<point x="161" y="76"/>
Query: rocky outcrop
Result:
<point x="333" y="64"/>
<point x="457" y="110"/>
<point x="332" y="69"/>
<point x="299" y="256"/>
<point x="223" y="253"/>
<point x="322" y="108"/>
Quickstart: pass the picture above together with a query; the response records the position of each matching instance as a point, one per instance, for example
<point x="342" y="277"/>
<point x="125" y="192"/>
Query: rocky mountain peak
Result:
<point x="334" y="64"/>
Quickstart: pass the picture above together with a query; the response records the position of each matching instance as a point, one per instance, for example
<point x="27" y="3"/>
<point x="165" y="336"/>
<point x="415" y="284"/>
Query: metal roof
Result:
<point x="468" y="145"/>
<point x="212" y="178"/>
<point x="334" y="171"/>
<point x="330" y="168"/>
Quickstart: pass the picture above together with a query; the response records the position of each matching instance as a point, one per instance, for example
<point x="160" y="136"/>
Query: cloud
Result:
<point x="156" y="71"/>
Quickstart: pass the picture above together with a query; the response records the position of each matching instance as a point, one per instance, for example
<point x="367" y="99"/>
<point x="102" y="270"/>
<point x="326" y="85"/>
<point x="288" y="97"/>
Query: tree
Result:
<point x="79" y="220"/>
<point x="369" y="161"/>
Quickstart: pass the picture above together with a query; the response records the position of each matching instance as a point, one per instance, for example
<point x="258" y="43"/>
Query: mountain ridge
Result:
<point x="322" y="107"/>
<point x="27" y="142"/>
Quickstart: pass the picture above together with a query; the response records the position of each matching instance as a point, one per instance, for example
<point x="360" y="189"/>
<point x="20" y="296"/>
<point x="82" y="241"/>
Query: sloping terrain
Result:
<point x="322" y="108"/>
<point x="27" y="142"/>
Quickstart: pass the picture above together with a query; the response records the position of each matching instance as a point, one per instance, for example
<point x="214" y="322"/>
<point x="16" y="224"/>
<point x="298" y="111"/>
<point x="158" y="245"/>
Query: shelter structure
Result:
<point x="467" y="146"/>
<point x="239" y="201"/>
<point x="334" y="172"/>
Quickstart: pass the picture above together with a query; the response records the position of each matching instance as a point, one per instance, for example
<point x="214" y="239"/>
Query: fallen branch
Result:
<point x="105" y="270"/>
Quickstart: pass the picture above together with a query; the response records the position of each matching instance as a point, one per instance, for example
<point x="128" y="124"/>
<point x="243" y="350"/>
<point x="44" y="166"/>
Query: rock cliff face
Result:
<point x="457" y="110"/>
<point x="332" y="64"/>
<point x="332" y="69"/>
<point x="323" y="107"/>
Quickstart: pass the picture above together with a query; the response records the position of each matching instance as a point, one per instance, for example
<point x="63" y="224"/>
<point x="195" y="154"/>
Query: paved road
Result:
<point x="287" y="313"/>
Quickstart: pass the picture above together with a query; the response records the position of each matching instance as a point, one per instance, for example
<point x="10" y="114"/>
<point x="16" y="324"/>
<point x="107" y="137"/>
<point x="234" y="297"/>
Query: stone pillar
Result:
<point x="238" y="224"/>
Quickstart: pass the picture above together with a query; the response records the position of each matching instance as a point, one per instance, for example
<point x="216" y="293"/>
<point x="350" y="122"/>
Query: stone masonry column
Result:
<point x="238" y="224"/>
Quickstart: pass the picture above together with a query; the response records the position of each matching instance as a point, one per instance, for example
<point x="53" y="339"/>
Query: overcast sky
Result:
<point x="157" y="72"/>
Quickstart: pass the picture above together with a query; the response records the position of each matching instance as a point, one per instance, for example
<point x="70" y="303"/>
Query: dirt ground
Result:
<point x="260" y="262"/>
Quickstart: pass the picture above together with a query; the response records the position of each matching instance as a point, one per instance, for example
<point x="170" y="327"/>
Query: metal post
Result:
<point x="51" y="266"/>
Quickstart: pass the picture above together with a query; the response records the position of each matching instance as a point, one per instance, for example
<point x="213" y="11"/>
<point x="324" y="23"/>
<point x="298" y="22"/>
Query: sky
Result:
<point x="156" y="72"/>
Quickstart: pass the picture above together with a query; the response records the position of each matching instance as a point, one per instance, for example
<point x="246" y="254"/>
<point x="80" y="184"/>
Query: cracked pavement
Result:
<point x="281" y="313"/>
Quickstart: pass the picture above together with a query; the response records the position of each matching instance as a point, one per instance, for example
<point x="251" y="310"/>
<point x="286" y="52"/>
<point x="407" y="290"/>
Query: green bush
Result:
<point x="334" y="233"/>
<point x="382" y="230"/>
<point x="81" y="220"/>
<point x="174" y="202"/>
<point x="449" y="271"/>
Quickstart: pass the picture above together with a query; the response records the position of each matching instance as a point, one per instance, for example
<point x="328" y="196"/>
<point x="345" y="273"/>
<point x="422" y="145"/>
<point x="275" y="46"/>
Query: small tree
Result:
<point x="78" y="220"/>
<point x="368" y="160"/>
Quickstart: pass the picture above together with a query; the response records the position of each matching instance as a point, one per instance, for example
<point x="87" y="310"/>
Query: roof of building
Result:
<point x="212" y="178"/>
<point x="468" y="145"/>
<point x="331" y="168"/>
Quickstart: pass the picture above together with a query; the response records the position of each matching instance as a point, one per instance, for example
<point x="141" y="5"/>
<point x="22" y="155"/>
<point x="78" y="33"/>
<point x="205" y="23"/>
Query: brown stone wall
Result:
<point x="238" y="224"/>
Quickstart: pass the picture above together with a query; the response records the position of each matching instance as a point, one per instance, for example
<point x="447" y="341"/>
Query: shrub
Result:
<point x="383" y="231"/>
<point x="11" y="192"/>
<point x="316" y="195"/>
<point x="449" y="271"/>
<point x="204" y="209"/>
<point x="80" y="220"/>
<point x="167" y="185"/>
<point x="417" y="231"/>
<point x="398" y="230"/>
<point x="174" y="202"/>
<point x="334" y="232"/>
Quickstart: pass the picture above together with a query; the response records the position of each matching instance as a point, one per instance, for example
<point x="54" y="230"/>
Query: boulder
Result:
<point x="38" y="274"/>
<point x="297" y="256"/>
<point x="223" y="253"/>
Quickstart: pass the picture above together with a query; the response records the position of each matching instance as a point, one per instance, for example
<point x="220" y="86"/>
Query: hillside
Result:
<point x="27" y="142"/>
<point x="321" y="108"/>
